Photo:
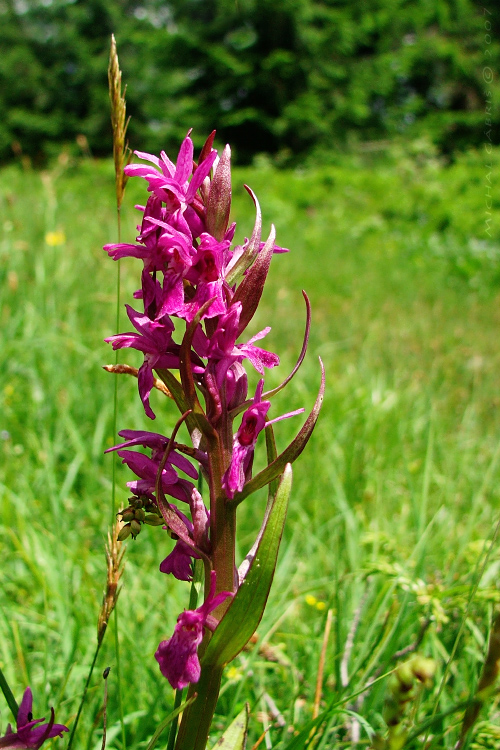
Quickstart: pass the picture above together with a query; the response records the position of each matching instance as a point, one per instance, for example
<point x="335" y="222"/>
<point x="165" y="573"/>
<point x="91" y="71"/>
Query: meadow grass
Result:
<point x="395" y="500"/>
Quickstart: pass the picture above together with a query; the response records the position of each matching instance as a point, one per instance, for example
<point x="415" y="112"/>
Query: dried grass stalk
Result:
<point x="128" y="370"/>
<point x="121" y="152"/>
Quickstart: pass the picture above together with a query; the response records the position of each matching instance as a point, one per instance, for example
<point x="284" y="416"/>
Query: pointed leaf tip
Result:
<point x="251" y="251"/>
<point x="291" y="453"/>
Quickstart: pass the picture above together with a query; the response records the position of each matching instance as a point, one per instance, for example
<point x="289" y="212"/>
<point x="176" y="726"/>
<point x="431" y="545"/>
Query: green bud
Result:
<point x="139" y="514"/>
<point x="153" y="520"/>
<point x="397" y="738"/>
<point x="124" y="532"/>
<point x="424" y="670"/>
<point x="392" y="712"/>
<point x="127" y="514"/>
<point x="405" y="678"/>
<point x="135" y="528"/>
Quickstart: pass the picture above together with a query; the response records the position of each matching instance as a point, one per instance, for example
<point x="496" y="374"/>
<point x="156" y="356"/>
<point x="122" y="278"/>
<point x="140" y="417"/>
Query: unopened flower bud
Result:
<point x="403" y="679"/>
<point x="424" y="670"/>
<point x="140" y="514"/>
<point x="391" y="712"/>
<point x="219" y="198"/>
<point x="127" y="515"/>
<point x="124" y="532"/>
<point x="135" y="528"/>
<point x="153" y="520"/>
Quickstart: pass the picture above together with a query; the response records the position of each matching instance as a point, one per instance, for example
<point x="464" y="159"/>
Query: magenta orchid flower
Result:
<point x="147" y="469"/>
<point x="179" y="562"/>
<point x="178" y="656"/>
<point x="147" y="249"/>
<point x="169" y="181"/>
<point x="30" y="732"/>
<point x="222" y="350"/>
<point x="252" y="424"/>
<point x="154" y="339"/>
<point x="158" y="444"/>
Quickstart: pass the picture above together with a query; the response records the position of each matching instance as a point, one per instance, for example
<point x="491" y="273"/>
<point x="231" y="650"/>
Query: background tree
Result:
<point x="276" y="76"/>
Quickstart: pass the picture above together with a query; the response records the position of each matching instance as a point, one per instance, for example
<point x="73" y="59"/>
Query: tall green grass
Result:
<point x="395" y="500"/>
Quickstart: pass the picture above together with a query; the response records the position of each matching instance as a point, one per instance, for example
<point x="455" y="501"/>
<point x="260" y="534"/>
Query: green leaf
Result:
<point x="246" y="610"/>
<point x="9" y="697"/>
<point x="164" y="724"/>
<point x="235" y="736"/>
<point x="272" y="454"/>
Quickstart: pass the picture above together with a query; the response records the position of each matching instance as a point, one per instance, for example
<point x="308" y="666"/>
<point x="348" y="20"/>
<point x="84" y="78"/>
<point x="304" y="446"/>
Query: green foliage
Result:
<point x="274" y="76"/>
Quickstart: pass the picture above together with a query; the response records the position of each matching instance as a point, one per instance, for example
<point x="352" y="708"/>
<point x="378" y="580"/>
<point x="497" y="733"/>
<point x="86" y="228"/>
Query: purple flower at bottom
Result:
<point x="28" y="734"/>
<point x="178" y="656"/>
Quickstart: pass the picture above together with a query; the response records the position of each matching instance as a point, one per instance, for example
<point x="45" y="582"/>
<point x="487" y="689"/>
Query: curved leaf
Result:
<point x="302" y="354"/>
<point x="289" y="454"/>
<point x="168" y="720"/>
<point x="248" y="255"/>
<point x="274" y="391"/>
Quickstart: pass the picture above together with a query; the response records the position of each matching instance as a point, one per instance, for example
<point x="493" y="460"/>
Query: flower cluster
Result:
<point x="195" y="277"/>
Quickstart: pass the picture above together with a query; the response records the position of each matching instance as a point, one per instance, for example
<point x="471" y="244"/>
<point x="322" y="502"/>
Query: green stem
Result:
<point x="115" y="391"/>
<point x="222" y="513"/>
<point x="113" y="485"/>
<point x="173" y="727"/>
<point x="119" y="681"/>
<point x="197" y="718"/>
<point x="84" y="695"/>
<point x="223" y="551"/>
<point x="9" y="696"/>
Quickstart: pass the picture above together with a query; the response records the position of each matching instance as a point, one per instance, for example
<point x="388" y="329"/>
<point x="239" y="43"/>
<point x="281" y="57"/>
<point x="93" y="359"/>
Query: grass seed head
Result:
<point x="121" y="152"/>
<point x="115" y="567"/>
